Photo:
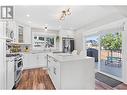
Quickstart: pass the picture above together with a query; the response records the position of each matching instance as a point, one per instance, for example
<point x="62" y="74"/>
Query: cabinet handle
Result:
<point x="54" y="70"/>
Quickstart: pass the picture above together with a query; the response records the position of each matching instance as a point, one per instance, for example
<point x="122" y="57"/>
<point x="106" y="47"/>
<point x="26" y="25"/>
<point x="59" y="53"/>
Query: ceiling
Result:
<point x="82" y="16"/>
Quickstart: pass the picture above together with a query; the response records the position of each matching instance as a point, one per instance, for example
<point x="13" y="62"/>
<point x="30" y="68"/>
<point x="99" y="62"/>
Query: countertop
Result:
<point x="63" y="57"/>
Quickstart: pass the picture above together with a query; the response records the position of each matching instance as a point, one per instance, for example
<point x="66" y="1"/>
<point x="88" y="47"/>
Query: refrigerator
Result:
<point x="2" y="55"/>
<point x="67" y="45"/>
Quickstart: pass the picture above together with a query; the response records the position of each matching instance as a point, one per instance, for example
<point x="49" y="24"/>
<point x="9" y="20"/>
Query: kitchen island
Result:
<point x="71" y="71"/>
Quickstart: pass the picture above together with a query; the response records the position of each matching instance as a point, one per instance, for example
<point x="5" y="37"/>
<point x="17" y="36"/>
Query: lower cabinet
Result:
<point x="56" y="75"/>
<point x="72" y="75"/>
<point x="34" y="60"/>
<point x="10" y="74"/>
<point x="54" y="71"/>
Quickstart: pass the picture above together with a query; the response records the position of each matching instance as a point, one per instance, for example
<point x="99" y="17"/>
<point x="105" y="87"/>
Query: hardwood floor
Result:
<point x="38" y="79"/>
<point x="35" y="79"/>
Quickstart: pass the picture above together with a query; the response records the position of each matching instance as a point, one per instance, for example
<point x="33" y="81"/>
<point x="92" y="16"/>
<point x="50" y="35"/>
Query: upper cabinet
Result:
<point x="20" y="34"/>
<point x="27" y="34"/>
<point x="23" y="33"/>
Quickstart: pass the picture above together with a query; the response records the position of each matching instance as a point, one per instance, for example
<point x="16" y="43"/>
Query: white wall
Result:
<point x="78" y="37"/>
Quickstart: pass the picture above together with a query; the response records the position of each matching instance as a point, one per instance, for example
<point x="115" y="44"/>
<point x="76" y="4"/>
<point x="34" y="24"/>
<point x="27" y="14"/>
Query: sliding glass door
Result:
<point x="106" y="48"/>
<point x="111" y="53"/>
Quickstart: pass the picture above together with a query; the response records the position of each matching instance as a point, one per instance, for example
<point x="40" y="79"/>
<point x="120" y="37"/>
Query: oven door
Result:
<point x="19" y="64"/>
<point x="17" y="75"/>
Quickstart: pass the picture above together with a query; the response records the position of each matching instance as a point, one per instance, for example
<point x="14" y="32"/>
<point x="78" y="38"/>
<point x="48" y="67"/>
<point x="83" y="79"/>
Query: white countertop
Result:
<point x="62" y="57"/>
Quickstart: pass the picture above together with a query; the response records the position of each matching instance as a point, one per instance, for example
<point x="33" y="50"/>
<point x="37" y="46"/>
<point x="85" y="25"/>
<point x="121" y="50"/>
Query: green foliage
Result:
<point x="111" y="41"/>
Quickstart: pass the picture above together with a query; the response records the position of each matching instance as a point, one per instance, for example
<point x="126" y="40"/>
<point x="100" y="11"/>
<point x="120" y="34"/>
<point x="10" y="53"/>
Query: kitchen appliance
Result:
<point x="68" y="45"/>
<point x="18" y="68"/>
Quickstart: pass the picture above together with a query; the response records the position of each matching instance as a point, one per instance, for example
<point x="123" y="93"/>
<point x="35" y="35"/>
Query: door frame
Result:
<point x="99" y="53"/>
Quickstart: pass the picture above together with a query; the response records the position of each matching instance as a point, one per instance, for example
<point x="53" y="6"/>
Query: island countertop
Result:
<point x="72" y="72"/>
<point x="62" y="57"/>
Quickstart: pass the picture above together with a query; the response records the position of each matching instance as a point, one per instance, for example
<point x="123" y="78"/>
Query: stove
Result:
<point x="12" y="55"/>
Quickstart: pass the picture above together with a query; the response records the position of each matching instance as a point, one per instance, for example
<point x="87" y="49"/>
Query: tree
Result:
<point x="112" y="42"/>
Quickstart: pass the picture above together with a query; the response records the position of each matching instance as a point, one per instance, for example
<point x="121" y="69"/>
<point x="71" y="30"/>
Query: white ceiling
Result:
<point x="82" y="16"/>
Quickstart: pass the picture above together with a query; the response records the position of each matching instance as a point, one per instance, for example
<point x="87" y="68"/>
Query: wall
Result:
<point x="78" y="37"/>
<point x="41" y="30"/>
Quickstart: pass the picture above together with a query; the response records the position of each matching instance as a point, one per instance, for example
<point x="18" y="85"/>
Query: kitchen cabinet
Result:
<point x="71" y="72"/>
<point x="27" y="34"/>
<point x="10" y="73"/>
<point x="54" y="71"/>
<point x="22" y="33"/>
<point x="34" y="60"/>
<point x="42" y="59"/>
<point x="29" y="61"/>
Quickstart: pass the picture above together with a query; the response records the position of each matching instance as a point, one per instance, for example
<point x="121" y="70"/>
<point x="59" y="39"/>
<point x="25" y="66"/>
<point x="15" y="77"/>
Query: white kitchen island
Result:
<point x="71" y="71"/>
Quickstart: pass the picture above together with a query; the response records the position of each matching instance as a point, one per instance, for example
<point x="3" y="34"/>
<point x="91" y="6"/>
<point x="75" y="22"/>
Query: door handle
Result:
<point x="54" y="70"/>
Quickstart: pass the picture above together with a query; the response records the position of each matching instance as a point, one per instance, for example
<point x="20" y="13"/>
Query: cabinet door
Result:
<point x="32" y="60"/>
<point x="27" y="34"/>
<point x="26" y="63"/>
<point x="10" y="74"/>
<point x="56" y="74"/>
<point x="50" y="68"/>
<point x="20" y="34"/>
<point x="40" y="59"/>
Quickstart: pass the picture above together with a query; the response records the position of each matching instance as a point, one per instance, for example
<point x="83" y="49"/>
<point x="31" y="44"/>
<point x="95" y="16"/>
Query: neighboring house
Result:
<point x="91" y="43"/>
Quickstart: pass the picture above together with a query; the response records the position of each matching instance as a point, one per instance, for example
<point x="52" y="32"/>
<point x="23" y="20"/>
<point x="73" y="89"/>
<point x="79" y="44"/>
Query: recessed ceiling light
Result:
<point x="28" y="15"/>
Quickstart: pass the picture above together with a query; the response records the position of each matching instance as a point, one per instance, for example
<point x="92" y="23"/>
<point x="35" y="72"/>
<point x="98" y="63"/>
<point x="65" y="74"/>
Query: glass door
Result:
<point x="92" y="48"/>
<point x="111" y="54"/>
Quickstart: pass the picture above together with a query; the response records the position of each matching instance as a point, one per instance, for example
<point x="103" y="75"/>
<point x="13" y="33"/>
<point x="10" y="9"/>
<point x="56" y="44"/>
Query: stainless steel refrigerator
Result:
<point x="68" y="45"/>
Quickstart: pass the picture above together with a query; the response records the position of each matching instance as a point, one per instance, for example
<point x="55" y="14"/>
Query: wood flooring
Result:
<point x="38" y="79"/>
<point x="35" y="79"/>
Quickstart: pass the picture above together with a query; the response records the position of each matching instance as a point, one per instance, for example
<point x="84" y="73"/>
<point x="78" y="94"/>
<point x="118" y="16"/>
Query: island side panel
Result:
<point x="78" y="74"/>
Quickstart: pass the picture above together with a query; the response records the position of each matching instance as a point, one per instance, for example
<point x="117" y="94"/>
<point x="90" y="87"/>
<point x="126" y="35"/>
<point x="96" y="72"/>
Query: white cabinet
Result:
<point x="42" y="59"/>
<point x="54" y="71"/>
<point x="34" y="60"/>
<point x="73" y="74"/>
<point x="21" y="32"/>
<point x="29" y="61"/>
<point x="10" y="73"/>
<point x="27" y="34"/>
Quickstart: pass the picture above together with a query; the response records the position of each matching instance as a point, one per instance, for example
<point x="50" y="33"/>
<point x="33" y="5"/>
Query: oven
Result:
<point x="18" y="68"/>
<point x="19" y="63"/>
